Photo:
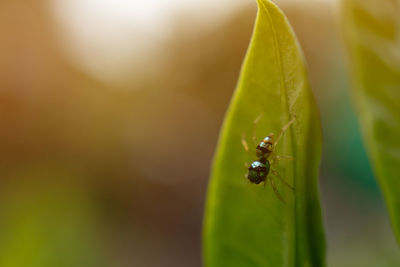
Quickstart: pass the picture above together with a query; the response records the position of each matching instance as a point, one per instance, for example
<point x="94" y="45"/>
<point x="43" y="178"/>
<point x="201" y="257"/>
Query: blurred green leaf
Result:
<point x="372" y="31"/>
<point x="48" y="221"/>
<point x="246" y="224"/>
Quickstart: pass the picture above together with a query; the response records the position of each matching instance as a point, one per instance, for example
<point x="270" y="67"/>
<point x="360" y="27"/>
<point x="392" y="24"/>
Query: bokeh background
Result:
<point x="110" y="113"/>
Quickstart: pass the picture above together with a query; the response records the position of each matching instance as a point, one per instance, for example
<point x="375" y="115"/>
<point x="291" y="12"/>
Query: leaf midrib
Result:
<point x="278" y="58"/>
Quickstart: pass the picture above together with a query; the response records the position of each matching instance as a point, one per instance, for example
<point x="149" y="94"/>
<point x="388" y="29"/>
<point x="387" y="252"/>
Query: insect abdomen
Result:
<point x="258" y="171"/>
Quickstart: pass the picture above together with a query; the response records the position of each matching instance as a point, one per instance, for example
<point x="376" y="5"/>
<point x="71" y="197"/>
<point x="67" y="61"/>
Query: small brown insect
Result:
<point x="259" y="170"/>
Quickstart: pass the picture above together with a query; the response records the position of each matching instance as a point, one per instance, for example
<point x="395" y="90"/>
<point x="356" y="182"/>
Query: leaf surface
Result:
<point x="246" y="224"/>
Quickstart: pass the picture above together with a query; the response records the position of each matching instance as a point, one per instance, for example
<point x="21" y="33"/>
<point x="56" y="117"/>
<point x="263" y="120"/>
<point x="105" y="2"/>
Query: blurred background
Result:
<point x="110" y="113"/>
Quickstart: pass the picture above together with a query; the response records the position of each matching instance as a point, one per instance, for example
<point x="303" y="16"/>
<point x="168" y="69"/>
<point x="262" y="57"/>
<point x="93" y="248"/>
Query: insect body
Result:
<point x="264" y="149"/>
<point x="259" y="170"/>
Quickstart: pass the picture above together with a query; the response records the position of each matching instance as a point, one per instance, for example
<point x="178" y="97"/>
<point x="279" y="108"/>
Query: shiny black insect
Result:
<point x="259" y="170"/>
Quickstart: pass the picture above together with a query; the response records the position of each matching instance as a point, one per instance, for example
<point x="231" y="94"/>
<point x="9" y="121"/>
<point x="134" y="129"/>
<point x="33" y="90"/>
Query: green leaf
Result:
<point x="372" y="31"/>
<point x="246" y="224"/>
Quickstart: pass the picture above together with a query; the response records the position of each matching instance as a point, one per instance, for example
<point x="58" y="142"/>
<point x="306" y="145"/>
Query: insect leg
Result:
<point x="276" y="191"/>
<point x="280" y="178"/>
<point x="244" y="143"/>
<point x="276" y="159"/>
<point x="246" y="180"/>
<point x="254" y="128"/>
<point x="246" y="146"/>
<point x="283" y="130"/>
<point x="284" y="158"/>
